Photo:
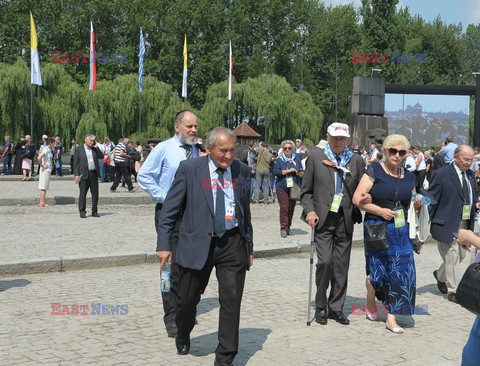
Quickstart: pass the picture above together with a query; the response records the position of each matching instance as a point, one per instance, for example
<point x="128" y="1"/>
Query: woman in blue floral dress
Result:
<point x="391" y="271"/>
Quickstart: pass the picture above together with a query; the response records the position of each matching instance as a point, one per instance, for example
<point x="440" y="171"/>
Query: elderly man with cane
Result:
<point x="331" y="175"/>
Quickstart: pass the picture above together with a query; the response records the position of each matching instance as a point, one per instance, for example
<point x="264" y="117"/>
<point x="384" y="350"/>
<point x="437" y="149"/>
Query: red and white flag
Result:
<point x="93" y="60"/>
<point x="230" y="71"/>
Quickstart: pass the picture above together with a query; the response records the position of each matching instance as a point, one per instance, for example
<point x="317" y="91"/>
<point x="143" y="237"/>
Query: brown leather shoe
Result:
<point x="452" y="297"/>
<point x="442" y="286"/>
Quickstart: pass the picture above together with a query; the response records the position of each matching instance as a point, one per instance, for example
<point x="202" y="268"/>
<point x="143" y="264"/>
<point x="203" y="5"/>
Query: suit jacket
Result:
<point x="191" y="199"/>
<point x="446" y="208"/>
<point x="318" y="187"/>
<point x="80" y="162"/>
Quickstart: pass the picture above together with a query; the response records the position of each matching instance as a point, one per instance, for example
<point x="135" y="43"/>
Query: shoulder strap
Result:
<point x="345" y="184"/>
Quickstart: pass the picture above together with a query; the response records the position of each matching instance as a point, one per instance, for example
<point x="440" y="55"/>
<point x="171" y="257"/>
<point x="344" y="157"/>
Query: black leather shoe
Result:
<point x="321" y="315"/>
<point x="95" y="214"/>
<point x="182" y="347"/>
<point x="442" y="286"/>
<point x="171" y="330"/>
<point x="222" y="363"/>
<point x="452" y="297"/>
<point x="339" y="317"/>
<point x="83" y="215"/>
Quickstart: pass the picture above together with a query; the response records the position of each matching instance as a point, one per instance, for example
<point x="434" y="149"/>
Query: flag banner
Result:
<point x="230" y="71"/>
<point x="185" y="71"/>
<point x="140" y="62"/>
<point x="93" y="61"/>
<point x="36" y="77"/>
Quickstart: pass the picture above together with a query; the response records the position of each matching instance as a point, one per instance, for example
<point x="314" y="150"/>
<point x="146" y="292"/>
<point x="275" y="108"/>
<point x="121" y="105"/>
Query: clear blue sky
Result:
<point x="451" y="11"/>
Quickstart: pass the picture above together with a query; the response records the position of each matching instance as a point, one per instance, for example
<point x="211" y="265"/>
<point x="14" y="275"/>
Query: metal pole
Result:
<point x="88" y="127"/>
<point x="140" y="115"/>
<point x="476" y="117"/>
<point x="309" y="307"/>
<point x="31" y="113"/>
<point x="228" y="114"/>
<point x="336" y="89"/>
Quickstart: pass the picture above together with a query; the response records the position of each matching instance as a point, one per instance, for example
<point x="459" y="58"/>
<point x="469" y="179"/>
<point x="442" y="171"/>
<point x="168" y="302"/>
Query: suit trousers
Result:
<point x="229" y="257"/>
<point x="169" y="299"/>
<point x="121" y="169"/>
<point x="85" y="184"/>
<point x="452" y="255"/>
<point x="333" y="246"/>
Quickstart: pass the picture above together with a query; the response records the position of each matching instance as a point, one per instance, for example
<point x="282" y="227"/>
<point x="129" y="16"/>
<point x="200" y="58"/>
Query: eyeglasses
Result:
<point x="393" y="151"/>
<point x="287" y="148"/>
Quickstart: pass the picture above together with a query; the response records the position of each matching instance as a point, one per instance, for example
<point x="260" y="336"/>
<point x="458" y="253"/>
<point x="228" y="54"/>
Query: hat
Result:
<point x="44" y="137"/>
<point x="337" y="129"/>
<point x="298" y="140"/>
<point x="322" y="144"/>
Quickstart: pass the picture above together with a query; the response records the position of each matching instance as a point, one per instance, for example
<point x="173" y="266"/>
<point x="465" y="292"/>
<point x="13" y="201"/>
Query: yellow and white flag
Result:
<point x="185" y="71"/>
<point x="35" y="64"/>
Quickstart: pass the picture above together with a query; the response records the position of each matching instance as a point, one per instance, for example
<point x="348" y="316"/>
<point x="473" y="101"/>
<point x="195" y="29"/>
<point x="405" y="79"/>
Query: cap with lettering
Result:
<point x="337" y="129"/>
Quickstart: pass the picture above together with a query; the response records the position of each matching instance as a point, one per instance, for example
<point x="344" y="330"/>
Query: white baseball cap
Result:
<point x="338" y="129"/>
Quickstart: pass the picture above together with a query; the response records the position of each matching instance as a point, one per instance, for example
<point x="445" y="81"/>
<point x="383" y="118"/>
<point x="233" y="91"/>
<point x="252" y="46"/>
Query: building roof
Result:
<point x="244" y="130"/>
<point x="417" y="105"/>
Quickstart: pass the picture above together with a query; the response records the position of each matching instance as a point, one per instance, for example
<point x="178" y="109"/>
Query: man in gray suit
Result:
<point x="328" y="208"/>
<point x="212" y="195"/>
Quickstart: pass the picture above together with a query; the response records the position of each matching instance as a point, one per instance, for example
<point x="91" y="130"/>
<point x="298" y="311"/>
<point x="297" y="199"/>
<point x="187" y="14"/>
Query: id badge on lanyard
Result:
<point x="289" y="182"/>
<point x="230" y="211"/>
<point x="337" y="199"/>
<point x="467" y="209"/>
<point x="399" y="217"/>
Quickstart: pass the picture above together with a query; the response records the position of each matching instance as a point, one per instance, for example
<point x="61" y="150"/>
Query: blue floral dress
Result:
<point x="392" y="271"/>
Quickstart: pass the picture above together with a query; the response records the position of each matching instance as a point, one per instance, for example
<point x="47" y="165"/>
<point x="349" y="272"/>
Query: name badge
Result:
<point x="399" y="218"/>
<point x="289" y="182"/>
<point x="91" y="161"/>
<point x="467" y="209"/>
<point x="230" y="211"/>
<point x="337" y="199"/>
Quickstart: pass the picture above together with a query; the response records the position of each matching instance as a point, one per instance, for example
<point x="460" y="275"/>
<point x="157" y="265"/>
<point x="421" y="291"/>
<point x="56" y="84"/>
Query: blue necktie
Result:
<point x="466" y="193"/>
<point x="338" y="187"/>
<point x="220" y="206"/>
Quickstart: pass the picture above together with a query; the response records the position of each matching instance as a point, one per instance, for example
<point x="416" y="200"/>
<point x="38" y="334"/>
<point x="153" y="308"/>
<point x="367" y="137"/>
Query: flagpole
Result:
<point x="228" y="114"/>
<point x="88" y="127"/>
<point x="140" y="115"/>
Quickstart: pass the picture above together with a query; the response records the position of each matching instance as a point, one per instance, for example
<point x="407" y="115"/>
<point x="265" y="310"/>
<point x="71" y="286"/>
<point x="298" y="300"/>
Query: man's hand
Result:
<point x="164" y="256"/>
<point x="466" y="238"/>
<point x="251" y="260"/>
<point x="477" y="206"/>
<point x="365" y="198"/>
<point x="76" y="178"/>
<point x="312" y="218"/>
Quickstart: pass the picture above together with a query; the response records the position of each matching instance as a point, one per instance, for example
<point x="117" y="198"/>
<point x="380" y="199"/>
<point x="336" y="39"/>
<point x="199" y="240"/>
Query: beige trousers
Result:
<point x="452" y="255"/>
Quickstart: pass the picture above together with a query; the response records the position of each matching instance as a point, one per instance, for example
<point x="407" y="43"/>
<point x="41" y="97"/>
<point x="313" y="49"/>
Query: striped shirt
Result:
<point x="120" y="147"/>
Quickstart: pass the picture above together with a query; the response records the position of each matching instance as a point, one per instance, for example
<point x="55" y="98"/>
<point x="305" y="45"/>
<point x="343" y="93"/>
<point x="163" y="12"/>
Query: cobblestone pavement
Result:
<point x="35" y="233"/>
<point x="273" y="322"/>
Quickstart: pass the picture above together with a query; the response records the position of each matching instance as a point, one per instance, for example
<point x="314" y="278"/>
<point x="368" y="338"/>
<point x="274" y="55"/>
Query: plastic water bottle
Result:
<point x="423" y="199"/>
<point x="165" y="278"/>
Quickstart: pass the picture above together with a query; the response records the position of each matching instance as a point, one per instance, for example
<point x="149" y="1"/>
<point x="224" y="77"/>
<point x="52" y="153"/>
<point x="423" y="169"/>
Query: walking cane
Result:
<point x="309" y="308"/>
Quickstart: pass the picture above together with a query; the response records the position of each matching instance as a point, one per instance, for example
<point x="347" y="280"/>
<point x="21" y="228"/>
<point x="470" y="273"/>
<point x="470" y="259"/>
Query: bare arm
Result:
<point x="364" y="187"/>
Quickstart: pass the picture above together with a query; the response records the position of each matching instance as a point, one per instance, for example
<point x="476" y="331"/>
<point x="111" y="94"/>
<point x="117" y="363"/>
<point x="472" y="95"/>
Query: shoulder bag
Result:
<point x="468" y="291"/>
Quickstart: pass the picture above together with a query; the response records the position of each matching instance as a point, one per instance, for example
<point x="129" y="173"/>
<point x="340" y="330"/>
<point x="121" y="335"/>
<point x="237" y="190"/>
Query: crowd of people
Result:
<point x="202" y="214"/>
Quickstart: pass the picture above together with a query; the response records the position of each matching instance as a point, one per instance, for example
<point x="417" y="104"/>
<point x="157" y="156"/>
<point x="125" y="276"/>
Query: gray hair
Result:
<point x="213" y="134"/>
<point x="90" y="136"/>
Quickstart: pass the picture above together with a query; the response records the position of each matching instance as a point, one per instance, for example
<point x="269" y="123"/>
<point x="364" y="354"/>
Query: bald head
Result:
<point x="186" y="127"/>
<point x="463" y="157"/>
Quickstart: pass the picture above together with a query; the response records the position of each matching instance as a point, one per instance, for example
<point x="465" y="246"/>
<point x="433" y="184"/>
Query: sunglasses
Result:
<point x="287" y="148"/>
<point x="393" y="151"/>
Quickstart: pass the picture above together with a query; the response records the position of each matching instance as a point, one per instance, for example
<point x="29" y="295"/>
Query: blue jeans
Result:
<point x="7" y="164"/>
<point x="58" y="167"/>
<point x="102" y="169"/>
<point x="106" y="171"/>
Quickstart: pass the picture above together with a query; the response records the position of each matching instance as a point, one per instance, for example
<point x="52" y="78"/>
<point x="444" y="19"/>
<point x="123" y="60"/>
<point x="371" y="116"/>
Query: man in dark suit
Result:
<point x="86" y="172"/>
<point x="454" y="195"/>
<point x="328" y="208"/>
<point x="215" y="230"/>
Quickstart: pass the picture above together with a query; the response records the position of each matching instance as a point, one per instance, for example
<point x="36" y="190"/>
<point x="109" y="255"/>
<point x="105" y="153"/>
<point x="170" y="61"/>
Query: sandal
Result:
<point x="43" y="204"/>
<point x="371" y="316"/>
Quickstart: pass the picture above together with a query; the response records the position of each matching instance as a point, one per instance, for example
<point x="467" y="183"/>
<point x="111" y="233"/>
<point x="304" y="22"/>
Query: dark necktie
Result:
<point x="466" y="193"/>
<point x="338" y="188"/>
<point x="220" y="206"/>
<point x="188" y="151"/>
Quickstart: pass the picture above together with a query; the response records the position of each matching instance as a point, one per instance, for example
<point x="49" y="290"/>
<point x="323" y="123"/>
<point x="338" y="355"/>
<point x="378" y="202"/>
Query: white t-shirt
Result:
<point x="422" y="165"/>
<point x="410" y="164"/>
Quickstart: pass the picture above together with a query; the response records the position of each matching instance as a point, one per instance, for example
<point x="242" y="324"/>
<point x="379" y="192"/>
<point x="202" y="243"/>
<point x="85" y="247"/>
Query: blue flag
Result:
<point x="140" y="62"/>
